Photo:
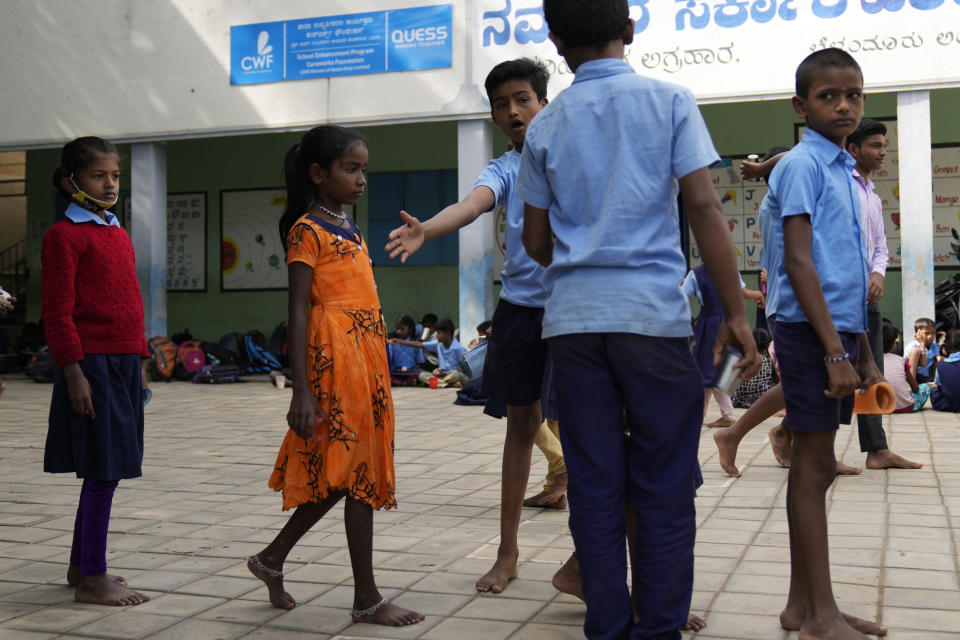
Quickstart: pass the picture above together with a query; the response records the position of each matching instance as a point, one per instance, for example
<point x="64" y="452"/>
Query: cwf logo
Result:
<point x="264" y="58"/>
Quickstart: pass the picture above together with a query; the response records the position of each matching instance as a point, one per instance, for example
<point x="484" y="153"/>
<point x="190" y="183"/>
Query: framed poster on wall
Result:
<point x="251" y="254"/>
<point x="186" y="239"/>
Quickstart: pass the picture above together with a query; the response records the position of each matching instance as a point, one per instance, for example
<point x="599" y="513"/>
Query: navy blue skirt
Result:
<point x="110" y="446"/>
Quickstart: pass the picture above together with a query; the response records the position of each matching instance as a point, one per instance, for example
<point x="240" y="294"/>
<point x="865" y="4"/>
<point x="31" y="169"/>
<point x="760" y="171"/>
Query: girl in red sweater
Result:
<point x="93" y="315"/>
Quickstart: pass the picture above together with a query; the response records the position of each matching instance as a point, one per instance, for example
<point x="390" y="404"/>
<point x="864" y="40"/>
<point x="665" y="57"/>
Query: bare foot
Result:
<point x="792" y="620"/>
<point x="274" y="581"/>
<point x="833" y="629"/>
<point x="545" y="500"/>
<point x="847" y="470"/>
<point x="886" y="459"/>
<point x="694" y="623"/>
<point x="781" y="441"/>
<point x="720" y="422"/>
<point x="387" y="614"/>
<point x="503" y="571"/>
<point x="567" y="579"/>
<point x="727" y="448"/>
<point x="102" y="590"/>
<point x="74" y="576"/>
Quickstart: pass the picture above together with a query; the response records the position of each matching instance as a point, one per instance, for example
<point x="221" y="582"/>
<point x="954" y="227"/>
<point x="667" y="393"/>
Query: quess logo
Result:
<point x="264" y="58"/>
<point x="423" y="34"/>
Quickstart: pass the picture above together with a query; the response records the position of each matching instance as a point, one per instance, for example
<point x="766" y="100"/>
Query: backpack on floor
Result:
<point x="180" y="338"/>
<point x="234" y="342"/>
<point x="217" y="374"/>
<point x="218" y="354"/>
<point x="191" y="356"/>
<point x="163" y="358"/>
<point x="258" y="359"/>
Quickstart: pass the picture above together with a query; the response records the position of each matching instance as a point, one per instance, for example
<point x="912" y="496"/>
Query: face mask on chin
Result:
<point x="85" y="200"/>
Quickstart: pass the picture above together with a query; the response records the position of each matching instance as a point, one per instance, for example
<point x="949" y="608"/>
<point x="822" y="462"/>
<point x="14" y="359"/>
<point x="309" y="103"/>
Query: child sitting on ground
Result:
<point x="924" y="350"/>
<point x="448" y="351"/>
<point x="896" y="370"/>
<point x="750" y="390"/>
<point x="946" y="395"/>
<point x="405" y="360"/>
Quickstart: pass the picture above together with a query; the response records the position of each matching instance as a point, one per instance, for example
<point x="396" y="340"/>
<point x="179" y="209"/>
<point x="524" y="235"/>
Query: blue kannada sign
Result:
<point x="355" y="44"/>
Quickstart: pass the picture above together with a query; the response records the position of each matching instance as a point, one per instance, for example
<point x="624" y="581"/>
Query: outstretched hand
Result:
<point x="406" y="240"/>
<point x="736" y="333"/>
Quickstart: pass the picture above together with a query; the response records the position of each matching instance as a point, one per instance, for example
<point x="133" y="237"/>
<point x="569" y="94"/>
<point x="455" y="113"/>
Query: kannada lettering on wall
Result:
<point x="186" y="239"/>
<point x="732" y="49"/>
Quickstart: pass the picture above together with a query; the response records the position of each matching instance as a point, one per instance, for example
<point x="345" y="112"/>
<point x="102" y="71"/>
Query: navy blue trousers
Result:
<point x="653" y="467"/>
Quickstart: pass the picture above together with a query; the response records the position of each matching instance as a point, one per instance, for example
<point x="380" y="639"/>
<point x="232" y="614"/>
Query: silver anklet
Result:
<point x="362" y="613"/>
<point x="273" y="573"/>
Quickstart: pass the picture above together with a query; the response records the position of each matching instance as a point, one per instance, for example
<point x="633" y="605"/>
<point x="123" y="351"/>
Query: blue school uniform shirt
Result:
<point x="522" y="276"/>
<point x="932" y="352"/>
<point x="604" y="158"/>
<point x="770" y="254"/>
<point x="447" y="357"/>
<point x="814" y="178"/>
<point x="402" y="355"/>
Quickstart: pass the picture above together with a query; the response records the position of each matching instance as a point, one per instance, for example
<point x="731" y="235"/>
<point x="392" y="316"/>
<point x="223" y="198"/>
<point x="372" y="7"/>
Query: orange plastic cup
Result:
<point x="879" y="398"/>
<point x="434" y="382"/>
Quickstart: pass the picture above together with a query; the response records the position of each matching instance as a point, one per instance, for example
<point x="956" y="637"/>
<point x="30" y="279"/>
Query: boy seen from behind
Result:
<point x="600" y="172"/>
<point x="819" y="284"/>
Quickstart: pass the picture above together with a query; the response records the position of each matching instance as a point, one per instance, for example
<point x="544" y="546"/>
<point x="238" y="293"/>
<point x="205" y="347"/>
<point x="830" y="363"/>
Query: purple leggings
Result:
<point x="89" y="550"/>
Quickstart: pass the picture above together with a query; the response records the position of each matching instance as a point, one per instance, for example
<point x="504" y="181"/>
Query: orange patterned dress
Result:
<point x="348" y="372"/>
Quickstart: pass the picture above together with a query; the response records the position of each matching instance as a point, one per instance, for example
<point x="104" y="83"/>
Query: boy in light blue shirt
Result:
<point x="818" y="286"/>
<point x="600" y="173"/>
<point x="513" y="371"/>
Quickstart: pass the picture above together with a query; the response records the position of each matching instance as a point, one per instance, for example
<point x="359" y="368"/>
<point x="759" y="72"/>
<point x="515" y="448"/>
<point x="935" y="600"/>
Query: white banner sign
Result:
<point x="741" y="49"/>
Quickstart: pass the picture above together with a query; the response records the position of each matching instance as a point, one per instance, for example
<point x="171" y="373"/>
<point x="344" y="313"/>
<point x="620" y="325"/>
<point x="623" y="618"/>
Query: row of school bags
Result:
<point x="181" y="357"/>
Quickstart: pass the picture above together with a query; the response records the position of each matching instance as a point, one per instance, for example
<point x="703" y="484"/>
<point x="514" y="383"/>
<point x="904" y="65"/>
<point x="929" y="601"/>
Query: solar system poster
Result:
<point x="251" y="255"/>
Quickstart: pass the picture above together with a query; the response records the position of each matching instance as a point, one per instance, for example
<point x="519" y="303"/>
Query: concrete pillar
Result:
<point x="478" y="240"/>
<point x="916" y="206"/>
<point x="148" y="187"/>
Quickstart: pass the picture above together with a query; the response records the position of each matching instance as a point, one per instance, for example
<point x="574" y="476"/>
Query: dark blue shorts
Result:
<point x="804" y="378"/>
<point x="516" y="355"/>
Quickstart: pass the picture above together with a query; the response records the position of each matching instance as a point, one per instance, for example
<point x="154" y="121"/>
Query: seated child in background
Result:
<point x="896" y="370"/>
<point x="946" y="395"/>
<point x="750" y="390"/>
<point x="923" y="351"/>
<point x="448" y="352"/>
<point x="405" y="360"/>
<point x="483" y="333"/>
<point x="425" y="333"/>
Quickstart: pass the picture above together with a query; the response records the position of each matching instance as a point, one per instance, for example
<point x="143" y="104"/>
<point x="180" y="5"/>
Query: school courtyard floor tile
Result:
<point x="181" y="532"/>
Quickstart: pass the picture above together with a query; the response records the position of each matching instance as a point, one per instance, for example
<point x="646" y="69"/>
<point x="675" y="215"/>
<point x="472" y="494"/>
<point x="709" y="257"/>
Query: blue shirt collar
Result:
<point x="600" y="68"/>
<point x="953" y="357"/>
<point x="828" y="151"/>
<point x="78" y="214"/>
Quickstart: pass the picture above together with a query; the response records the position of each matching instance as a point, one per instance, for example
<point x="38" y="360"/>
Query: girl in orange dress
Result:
<point x="340" y="441"/>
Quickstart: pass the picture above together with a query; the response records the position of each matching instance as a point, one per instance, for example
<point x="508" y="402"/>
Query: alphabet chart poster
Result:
<point x="741" y="204"/>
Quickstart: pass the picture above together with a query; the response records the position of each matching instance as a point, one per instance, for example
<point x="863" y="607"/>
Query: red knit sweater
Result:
<point x="91" y="298"/>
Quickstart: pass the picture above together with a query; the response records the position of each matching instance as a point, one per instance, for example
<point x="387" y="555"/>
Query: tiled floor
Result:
<point x="181" y="532"/>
